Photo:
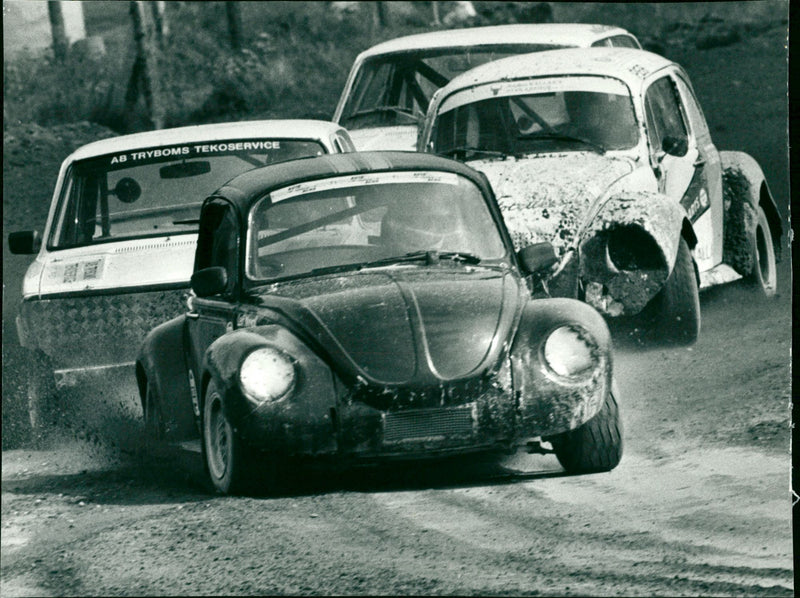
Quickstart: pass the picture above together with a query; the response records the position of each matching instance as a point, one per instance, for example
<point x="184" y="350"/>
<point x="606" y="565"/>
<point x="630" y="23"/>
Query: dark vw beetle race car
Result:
<point x="371" y="306"/>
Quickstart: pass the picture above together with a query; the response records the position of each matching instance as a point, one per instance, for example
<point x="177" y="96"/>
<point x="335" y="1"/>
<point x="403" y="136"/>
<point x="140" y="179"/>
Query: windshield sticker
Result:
<point x="192" y="150"/>
<point x="357" y="180"/>
<point x="531" y="87"/>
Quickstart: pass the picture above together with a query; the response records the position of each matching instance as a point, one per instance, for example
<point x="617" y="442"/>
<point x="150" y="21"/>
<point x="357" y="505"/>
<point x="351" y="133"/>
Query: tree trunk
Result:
<point x="60" y="42"/>
<point x="144" y="77"/>
<point x="380" y="15"/>
<point x="436" y="19"/>
<point x="234" y="11"/>
<point x="160" y="21"/>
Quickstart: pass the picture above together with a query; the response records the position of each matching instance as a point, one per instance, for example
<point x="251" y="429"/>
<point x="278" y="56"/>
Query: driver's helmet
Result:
<point x="422" y="224"/>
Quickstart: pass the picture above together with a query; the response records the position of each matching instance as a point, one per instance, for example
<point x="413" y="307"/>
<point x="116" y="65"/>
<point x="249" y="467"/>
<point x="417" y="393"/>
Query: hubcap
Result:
<point x="218" y="432"/>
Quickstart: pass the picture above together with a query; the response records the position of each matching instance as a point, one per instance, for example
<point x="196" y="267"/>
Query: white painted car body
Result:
<point x="462" y="42"/>
<point x="570" y="194"/>
<point x="87" y="304"/>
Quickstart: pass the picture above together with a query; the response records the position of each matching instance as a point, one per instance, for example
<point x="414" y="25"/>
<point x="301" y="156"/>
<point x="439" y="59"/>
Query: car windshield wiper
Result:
<point x="395" y="109"/>
<point x="430" y="257"/>
<point x="477" y="150"/>
<point x="188" y="221"/>
<point x="564" y="137"/>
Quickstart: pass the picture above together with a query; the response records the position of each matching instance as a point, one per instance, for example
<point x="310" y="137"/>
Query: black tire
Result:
<point x="42" y="397"/>
<point x="673" y="316"/>
<point x="227" y="459"/>
<point x="594" y="447"/>
<point x="764" y="275"/>
<point x="154" y="432"/>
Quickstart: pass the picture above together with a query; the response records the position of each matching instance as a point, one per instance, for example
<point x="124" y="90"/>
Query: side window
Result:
<point x="623" y="41"/>
<point x="664" y="118"/>
<point x="218" y="240"/>
<point x="602" y="43"/>
<point x="694" y="113"/>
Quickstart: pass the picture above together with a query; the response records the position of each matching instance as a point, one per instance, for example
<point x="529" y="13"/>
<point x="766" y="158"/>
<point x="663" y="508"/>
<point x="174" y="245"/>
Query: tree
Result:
<point x="144" y="78"/>
<point x="160" y="21"/>
<point x="60" y="42"/>
<point x="380" y="16"/>
<point x="234" y="12"/>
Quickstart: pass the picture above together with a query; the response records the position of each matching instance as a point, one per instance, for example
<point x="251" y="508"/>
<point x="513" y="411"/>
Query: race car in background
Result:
<point x="389" y="86"/>
<point x="606" y="154"/>
<point x="117" y="249"/>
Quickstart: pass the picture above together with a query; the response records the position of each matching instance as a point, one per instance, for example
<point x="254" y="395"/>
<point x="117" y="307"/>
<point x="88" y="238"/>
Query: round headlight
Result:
<point x="568" y="352"/>
<point x="266" y="374"/>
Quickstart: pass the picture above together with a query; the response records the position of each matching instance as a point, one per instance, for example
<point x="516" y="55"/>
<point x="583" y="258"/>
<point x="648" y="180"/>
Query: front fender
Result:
<point x="628" y="250"/>
<point x="299" y="423"/>
<point x="549" y="404"/>
<point x="162" y="363"/>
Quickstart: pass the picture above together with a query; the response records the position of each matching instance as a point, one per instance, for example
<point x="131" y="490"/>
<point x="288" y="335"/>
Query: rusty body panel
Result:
<point x="575" y="201"/>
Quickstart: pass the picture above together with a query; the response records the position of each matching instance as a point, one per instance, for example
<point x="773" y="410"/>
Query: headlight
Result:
<point x="570" y="352"/>
<point x="267" y="374"/>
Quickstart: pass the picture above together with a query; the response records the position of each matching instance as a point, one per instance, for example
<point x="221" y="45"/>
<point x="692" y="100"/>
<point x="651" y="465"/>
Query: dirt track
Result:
<point x="699" y="505"/>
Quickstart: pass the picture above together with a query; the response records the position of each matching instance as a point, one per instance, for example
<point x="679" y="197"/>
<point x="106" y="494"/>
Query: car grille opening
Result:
<point x="416" y="424"/>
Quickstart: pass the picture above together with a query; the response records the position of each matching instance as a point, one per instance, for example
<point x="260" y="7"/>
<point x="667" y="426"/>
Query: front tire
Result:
<point x="673" y="315"/>
<point x="225" y="455"/>
<point x="764" y="274"/>
<point x="594" y="447"/>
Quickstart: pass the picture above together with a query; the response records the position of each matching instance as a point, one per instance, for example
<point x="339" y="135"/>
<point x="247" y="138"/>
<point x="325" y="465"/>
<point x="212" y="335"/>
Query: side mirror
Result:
<point x="536" y="258"/>
<point x="675" y="146"/>
<point x="25" y="242"/>
<point x="209" y="281"/>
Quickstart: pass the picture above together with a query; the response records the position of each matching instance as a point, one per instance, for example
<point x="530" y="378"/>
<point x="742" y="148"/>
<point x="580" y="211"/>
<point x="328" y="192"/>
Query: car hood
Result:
<point x="405" y="325"/>
<point x="385" y="138"/>
<point x="130" y="264"/>
<point x="551" y="197"/>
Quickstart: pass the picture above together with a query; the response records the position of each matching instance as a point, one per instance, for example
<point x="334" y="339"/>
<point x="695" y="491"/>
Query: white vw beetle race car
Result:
<point x="606" y="154"/>
<point x="389" y="85"/>
<point x="119" y="242"/>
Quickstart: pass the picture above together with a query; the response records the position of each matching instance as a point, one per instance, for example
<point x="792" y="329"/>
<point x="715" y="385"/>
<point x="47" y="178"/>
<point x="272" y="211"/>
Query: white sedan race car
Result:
<point x="119" y="243"/>
<point x="606" y="154"/>
<point x="390" y="84"/>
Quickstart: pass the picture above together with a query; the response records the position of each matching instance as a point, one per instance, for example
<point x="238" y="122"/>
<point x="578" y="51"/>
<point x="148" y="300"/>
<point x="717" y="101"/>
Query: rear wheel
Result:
<point x="42" y="397"/>
<point x="595" y="446"/>
<point x="764" y="274"/>
<point x="673" y="315"/>
<point x="154" y="436"/>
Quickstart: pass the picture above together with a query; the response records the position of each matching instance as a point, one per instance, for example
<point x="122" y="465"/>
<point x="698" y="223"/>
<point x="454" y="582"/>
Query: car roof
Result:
<point x="627" y="64"/>
<point x="278" y="129"/>
<point x="577" y="34"/>
<point x="249" y="186"/>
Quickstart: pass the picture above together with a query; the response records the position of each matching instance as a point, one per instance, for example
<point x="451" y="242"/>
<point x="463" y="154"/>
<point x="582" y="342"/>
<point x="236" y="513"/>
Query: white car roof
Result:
<point x="571" y="34"/>
<point x="277" y="129"/>
<point x="629" y="65"/>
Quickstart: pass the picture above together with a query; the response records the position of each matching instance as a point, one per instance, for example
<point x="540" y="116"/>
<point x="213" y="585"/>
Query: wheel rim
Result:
<point x="764" y="261"/>
<point x="219" y="437"/>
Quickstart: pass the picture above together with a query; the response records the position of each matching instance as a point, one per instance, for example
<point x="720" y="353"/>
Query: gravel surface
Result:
<point x="699" y="506"/>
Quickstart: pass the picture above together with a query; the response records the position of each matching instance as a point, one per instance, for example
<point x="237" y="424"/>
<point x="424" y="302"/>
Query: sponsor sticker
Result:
<point x="533" y="86"/>
<point x="359" y="180"/>
<point x="195" y="150"/>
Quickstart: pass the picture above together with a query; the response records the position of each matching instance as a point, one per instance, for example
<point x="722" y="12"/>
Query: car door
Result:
<point x="218" y="245"/>
<point x="708" y="222"/>
<point x="675" y="156"/>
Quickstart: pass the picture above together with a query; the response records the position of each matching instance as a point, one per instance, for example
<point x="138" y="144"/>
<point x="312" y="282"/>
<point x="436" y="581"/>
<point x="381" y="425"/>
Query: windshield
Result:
<point x="536" y="116"/>
<point x="369" y="220"/>
<point x="156" y="191"/>
<point x="395" y="89"/>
